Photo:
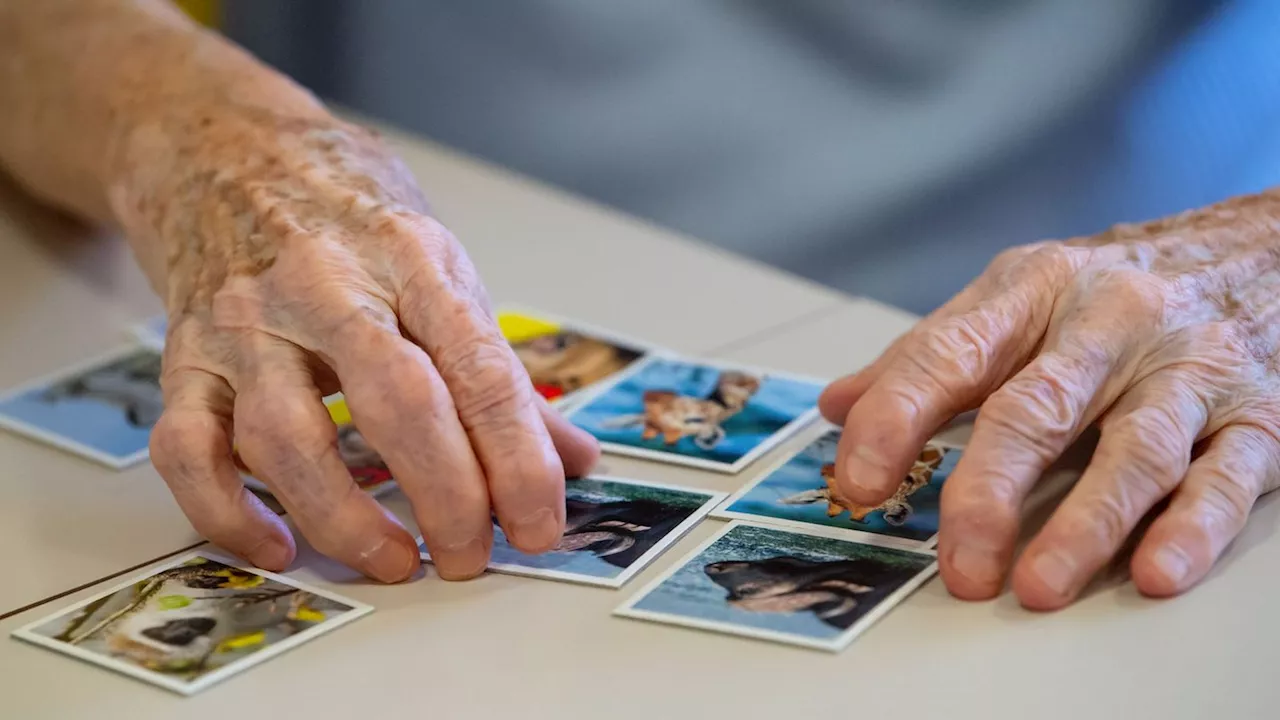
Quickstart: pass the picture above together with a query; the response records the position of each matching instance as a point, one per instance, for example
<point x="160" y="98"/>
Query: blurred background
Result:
<point x="887" y="148"/>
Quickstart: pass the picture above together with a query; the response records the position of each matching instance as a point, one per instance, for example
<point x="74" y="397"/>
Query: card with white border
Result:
<point x="102" y="409"/>
<point x="799" y="492"/>
<point x="614" y="528"/>
<point x="566" y="357"/>
<point x="698" y="413"/>
<point x="807" y="588"/>
<point x="193" y="622"/>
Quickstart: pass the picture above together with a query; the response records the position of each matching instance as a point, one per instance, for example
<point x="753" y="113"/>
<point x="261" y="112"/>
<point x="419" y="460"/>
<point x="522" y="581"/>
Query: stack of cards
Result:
<point x="798" y="562"/>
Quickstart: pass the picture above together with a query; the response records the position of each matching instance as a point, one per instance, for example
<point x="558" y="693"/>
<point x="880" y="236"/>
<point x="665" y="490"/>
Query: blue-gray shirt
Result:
<point x="886" y="147"/>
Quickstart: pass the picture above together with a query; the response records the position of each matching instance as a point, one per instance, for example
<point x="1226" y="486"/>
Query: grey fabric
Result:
<point x="886" y="147"/>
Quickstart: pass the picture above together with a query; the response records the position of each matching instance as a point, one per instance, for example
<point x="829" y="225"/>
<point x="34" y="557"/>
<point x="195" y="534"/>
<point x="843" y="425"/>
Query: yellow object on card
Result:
<point x="517" y="328"/>
<point x="205" y="12"/>
<point x="242" y="641"/>
<point x="339" y="412"/>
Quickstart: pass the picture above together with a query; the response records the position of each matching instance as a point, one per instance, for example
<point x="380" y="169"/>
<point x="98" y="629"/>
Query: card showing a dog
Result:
<point x="103" y="409"/>
<point x="192" y="623"/>
<point x="566" y="357"/>
<point x="800" y="492"/>
<point x="810" y="589"/>
<point x="697" y="413"/>
<point x="614" y="528"/>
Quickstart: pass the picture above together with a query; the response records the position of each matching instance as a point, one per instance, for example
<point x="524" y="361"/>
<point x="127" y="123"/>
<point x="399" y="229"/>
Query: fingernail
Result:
<point x="463" y="560"/>
<point x="1056" y="571"/>
<point x="976" y="564"/>
<point x="1173" y="562"/>
<point x="389" y="561"/>
<point x="864" y="467"/>
<point x="538" y="529"/>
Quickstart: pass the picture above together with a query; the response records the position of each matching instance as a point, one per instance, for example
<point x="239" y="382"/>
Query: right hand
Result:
<point x="297" y="258"/>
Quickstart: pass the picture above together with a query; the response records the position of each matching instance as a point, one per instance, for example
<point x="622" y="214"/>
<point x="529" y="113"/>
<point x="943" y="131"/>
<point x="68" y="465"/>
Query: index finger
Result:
<point x="938" y="375"/>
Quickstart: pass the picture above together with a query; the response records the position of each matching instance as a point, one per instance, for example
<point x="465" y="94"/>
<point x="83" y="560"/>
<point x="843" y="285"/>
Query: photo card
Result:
<point x="565" y="357"/>
<point x="102" y="409"/>
<point x="193" y="622"/>
<point x="697" y="413"/>
<point x="807" y="588"/>
<point x="614" y="528"/>
<point x="800" y="492"/>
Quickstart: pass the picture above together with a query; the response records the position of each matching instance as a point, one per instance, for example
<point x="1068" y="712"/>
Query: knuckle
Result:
<point x="1224" y="500"/>
<point x="529" y="485"/>
<point x="1051" y="259"/>
<point x="175" y="449"/>
<point x="1225" y="348"/>
<point x="960" y="343"/>
<point x="168" y="447"/>
<point x="282" y="432"/>
<point x="485" y="380"/>
<point x="1145" y="297"/>
<point x="439" y="271"/>
<point x="988" y="500"/>
<point x="1155" y="446"/>
<point x="1108" y="517"/>
<point x="908" y="392"/>
<point x="1013" y="255"/>
<point x="357" y="322"/>
<point x="1034" y="411"/>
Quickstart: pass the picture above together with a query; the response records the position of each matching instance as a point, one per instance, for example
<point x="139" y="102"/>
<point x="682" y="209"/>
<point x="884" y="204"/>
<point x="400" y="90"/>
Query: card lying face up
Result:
<point x="803" y="588"/>
<point x="367" y="468"/>
<point x="696" y="413"/>
<point x="613" y="529"/>
<point x="801" y="492"/>
<point x="193" y="623"/>
<point x="103" y="409"/>
<point x="564" y="357"/>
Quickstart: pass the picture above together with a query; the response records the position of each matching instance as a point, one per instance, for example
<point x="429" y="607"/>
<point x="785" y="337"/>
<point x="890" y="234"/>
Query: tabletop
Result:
<point x="520" y="647"/>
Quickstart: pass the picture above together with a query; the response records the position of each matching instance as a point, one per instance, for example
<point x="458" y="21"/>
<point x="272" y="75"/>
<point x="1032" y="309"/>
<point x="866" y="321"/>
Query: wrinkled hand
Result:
<point x="301" y="260"/>
<point x="1164" y="334"/>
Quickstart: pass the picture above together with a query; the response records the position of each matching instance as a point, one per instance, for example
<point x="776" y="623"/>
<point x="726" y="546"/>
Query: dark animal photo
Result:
<point x="611" y="525"/>
<point x="783" y="585"/>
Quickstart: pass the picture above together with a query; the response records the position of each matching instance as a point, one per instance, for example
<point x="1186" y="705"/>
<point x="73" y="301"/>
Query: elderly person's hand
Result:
<point x="301" y="259"/>
<point x="296" y="257"/>
<point x="1164" y="334"/>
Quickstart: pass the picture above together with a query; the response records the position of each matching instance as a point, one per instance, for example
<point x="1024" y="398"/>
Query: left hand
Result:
<point x="1165" y="334"/>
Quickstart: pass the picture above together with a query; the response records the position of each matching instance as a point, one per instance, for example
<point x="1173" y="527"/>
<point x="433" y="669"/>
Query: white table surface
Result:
<point x="503" y="646"/>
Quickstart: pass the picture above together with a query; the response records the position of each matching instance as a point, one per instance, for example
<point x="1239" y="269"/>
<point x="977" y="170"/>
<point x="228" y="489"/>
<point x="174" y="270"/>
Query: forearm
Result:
<point x="92" y="89"/>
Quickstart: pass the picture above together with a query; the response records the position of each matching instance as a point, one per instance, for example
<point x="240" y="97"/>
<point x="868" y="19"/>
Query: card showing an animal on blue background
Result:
<point x="697" y="413"/>
<point x="802" y="492"/>
<point x="103" y="410"/>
